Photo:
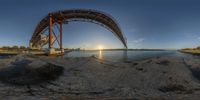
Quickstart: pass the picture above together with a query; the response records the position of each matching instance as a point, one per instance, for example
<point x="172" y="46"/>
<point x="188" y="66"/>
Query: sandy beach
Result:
<point x="25" y="77"/>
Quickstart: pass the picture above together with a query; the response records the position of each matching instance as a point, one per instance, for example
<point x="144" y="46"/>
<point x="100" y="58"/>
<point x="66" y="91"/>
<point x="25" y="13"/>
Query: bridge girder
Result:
<point x="66" y="16"/>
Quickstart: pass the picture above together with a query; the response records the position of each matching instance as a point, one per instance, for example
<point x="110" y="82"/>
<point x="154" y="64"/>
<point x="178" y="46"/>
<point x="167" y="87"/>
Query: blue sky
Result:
<point x="167" y="24"/>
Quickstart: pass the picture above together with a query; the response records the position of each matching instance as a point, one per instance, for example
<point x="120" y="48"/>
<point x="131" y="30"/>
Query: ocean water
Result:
<point x="117" y="56"/>
<point x="128" y="55"/>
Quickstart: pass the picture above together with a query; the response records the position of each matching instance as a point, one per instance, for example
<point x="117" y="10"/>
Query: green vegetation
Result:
<point x="13" y="48"/>
<point x="195" y="51"/>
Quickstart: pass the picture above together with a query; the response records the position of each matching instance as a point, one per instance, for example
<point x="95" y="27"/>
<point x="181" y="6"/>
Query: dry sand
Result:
<point x="26" y="77"/>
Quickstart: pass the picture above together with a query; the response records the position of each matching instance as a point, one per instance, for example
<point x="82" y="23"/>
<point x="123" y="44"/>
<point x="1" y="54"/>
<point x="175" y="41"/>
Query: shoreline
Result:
<point x="190" y="52"/>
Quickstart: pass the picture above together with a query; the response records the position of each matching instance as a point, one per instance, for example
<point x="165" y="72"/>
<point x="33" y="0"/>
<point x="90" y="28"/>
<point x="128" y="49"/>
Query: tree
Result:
<point x="22" y="47"/>
<point x="15" y="47"/>
<point x="6" y="47"/>
<point x="198" y="47"/>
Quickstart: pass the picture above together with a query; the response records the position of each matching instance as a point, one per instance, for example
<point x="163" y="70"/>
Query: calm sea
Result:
<point x="127" y="55"/>
<point x="117" y="56"/>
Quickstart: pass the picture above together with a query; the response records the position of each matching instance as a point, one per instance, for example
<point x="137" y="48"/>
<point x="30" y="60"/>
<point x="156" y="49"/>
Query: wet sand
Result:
<point x="25" y="77"/>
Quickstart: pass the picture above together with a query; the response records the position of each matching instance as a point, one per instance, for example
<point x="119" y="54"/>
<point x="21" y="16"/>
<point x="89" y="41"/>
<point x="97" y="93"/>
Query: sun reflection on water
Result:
<point x="100" y="56"/>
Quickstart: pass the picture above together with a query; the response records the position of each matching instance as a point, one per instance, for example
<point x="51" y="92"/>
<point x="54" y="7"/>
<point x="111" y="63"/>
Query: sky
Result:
<point x="163" y="24"/>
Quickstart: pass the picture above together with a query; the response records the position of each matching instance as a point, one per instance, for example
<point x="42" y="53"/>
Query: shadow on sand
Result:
<point x="20" y="73"/>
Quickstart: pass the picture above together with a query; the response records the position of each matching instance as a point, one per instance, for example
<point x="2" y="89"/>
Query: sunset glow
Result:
<point x="100" y="47"/>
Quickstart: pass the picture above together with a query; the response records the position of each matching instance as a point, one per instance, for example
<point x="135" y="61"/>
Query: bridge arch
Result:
<point x="38" y="39"/>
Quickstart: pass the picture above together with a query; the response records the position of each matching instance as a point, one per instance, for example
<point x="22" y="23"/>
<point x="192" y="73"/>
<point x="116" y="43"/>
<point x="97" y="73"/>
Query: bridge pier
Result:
<point x="30" y="45"/>
<point x="61" y="36"/>
<point x="50" y="31"/>
<point x="53" y="51"/>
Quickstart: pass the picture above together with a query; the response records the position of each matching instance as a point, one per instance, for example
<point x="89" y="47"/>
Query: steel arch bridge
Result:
<point x="39" y="39"/>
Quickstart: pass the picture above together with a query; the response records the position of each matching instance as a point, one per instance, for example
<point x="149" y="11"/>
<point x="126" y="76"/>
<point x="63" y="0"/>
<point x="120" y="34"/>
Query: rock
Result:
<point x="92" y="78"/>
<point x="29" y="71"/>
<point x="37" y="64"/>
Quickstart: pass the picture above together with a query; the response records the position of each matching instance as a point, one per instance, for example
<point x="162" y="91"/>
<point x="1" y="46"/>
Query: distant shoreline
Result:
<point x="193" y="52"/>
<point x="128" y="50"/>
<point x="16" y="52"/>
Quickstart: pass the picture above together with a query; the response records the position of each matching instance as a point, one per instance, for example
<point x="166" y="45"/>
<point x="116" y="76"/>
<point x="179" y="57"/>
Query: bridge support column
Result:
<point x="61" y="36"/>
<point x="30" y="45"/>
<point x="51" y="50"/>
<point x="50" y="31"/>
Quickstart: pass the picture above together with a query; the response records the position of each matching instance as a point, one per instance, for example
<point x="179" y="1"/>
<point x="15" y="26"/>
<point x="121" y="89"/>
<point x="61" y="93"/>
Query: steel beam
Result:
<point x="66" y="15"/>
<point x="61" y="35"/>
<point x="50" y="31"/>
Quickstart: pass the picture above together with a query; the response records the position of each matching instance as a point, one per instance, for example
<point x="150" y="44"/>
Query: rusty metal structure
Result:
<point x="39" y="39"/>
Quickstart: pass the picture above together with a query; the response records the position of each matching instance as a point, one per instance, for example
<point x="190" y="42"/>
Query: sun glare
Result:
<point x="100" y="47"/>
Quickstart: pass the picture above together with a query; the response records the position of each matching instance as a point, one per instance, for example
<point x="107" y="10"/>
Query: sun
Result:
<point x="100" y="47"/>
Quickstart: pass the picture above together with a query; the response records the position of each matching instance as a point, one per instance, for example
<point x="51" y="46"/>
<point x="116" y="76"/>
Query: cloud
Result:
<point x="137" y="41"/>
<point x="86" y="45"/>
<point x="131" y="30"/>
